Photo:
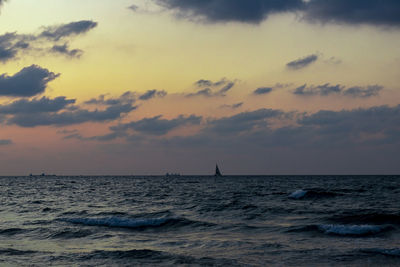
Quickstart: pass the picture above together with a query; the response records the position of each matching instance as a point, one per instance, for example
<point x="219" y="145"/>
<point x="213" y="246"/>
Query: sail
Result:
<point x="217" y="172"/>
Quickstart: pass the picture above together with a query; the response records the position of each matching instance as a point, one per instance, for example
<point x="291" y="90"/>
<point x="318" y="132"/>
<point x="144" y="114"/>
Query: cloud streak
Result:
<point x="152" y="94"/>
<point x="55" y="33"/>
<point x="36" y="105"/>
<point x="65" y="118"/>
<point x="302" y="62"/>
<point x="157" y="125"/>
<point x="327" y="89"/>
<point x="262" y="91"/>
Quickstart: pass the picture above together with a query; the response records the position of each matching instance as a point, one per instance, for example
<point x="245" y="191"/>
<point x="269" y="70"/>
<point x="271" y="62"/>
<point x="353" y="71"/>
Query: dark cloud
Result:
<point x="369" y="91"/>
<point x="373" y="12"/>
<point x="336" y="139"/>
<point x="5" y="142"/>
<point x="54" y="39"/>
<point x="262" y="91"/>
<point x="323" y="90"/>
<point x="64" y="50"/>
<point x="153" y="93"/>
<point x="327" y="89"/>
<point x="203" y="92"/>
<point x="61" y="111"/>
<point x="245" y="121"/>
<point x="157" y="125"/>
<point x="224" y="86"/>
<point x="126" y="98"/>
<point x="207" y="83"/>
<point x="302" y="62"/>
<point x="253" y="12"/>
<point x="66" y="30"/>
<point x="374" y="126"/>
<point x="101" y="138"/>
<point x="43" y="104"/>
<point x="233" y="106"/>
<point x="70" y="117"/>
<point x="10" y="45"/>
<point x="30" y="81"/>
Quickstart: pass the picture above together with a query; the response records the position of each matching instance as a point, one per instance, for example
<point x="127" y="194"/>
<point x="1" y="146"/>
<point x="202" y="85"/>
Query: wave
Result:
<point x="368" y="218"/>
<point x="70" y="234"/>
<point x="387" y="252"/>
<point x="15" y="252"/>
<point x="352" y="230"/>
<point x="344" y="230"/>
<point x="312" y="194"/>
<point x="152" y="257"/>
<point x="119" y="254"/>
<point x="119" y="222"/>
<point x="11" y="231"/>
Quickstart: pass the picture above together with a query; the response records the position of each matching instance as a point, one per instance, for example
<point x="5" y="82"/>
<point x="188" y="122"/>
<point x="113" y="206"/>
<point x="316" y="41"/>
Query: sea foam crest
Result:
<point x="118" y="222"/>
<point x="298" y="194"/>
<point x="360" y="230"/>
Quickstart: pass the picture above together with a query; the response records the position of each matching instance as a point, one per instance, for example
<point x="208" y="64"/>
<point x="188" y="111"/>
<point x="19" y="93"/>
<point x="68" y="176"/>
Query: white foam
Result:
<point x="350" y="229"/>
<point x="298" y="194"/>
<point x="117" y="222"/>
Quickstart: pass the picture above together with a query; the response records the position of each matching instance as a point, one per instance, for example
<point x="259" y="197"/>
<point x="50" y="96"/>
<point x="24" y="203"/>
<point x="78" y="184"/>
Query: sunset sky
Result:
<point x="154" y="86"/>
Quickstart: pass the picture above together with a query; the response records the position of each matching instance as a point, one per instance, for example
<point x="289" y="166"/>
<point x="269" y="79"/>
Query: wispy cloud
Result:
<point x="219" y="88"/>
<point x="54" y="39"/>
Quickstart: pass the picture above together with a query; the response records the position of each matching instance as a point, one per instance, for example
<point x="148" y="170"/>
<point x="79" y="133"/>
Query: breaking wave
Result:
<point x="344" y="230"/>
<point x="311" y="194"/>
<point x="352" y="230"/>
<point x="119" y="222"/>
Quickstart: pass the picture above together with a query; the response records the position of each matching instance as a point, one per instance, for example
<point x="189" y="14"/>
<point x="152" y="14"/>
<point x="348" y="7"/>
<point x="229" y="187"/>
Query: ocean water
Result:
<point x="200" y="221"/>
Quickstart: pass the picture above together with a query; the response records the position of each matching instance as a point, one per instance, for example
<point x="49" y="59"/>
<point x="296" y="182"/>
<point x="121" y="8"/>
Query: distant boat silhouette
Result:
<point x="217" y="172"/>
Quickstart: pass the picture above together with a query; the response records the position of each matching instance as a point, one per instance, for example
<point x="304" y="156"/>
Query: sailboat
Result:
<point x="217" y="172"/>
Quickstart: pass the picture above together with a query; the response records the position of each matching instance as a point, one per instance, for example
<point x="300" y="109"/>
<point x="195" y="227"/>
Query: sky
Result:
<point x="142" y="87"/>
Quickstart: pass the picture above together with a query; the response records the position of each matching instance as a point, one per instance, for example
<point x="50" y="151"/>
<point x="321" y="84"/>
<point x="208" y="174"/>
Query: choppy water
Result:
<point x="200" y="221"/>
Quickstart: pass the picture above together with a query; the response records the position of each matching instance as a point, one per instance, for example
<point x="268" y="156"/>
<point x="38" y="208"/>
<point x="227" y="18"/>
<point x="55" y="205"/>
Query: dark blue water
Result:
<point x="200" y="221"/>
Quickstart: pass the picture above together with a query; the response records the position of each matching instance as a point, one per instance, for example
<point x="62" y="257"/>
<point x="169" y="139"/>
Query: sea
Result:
<point x="200" y="221"/>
